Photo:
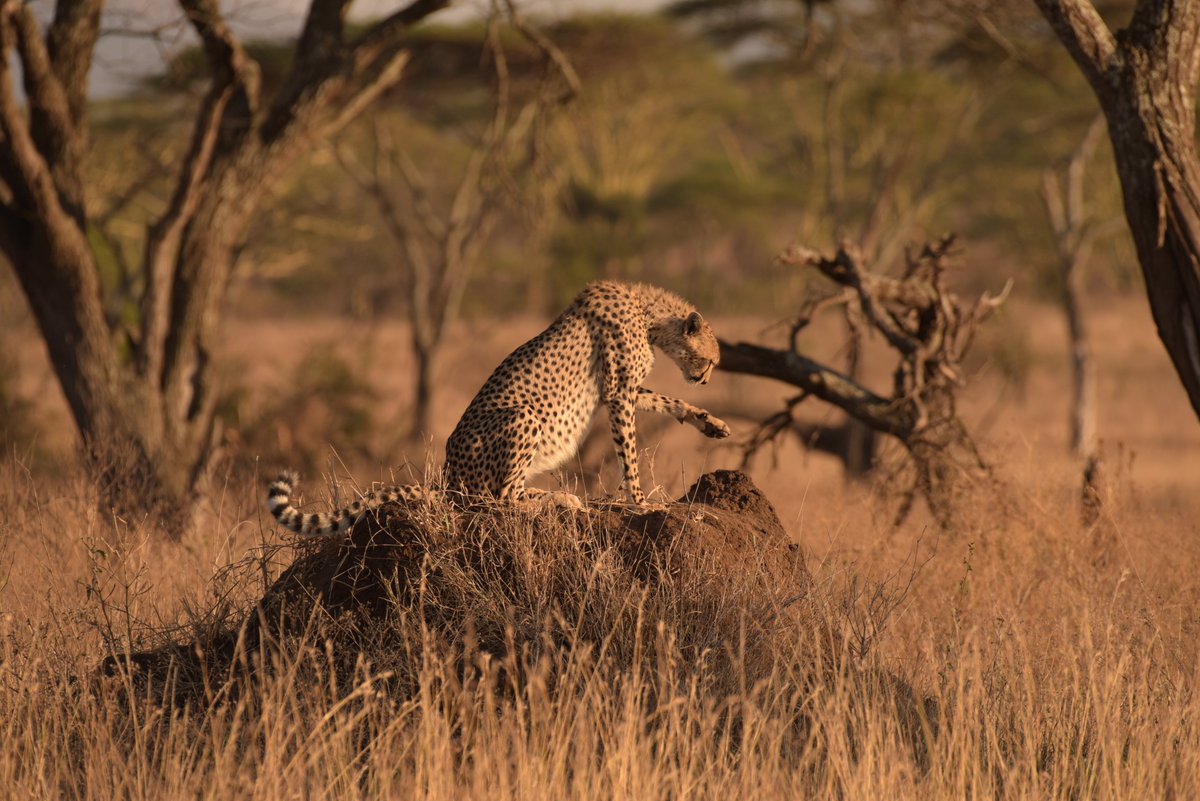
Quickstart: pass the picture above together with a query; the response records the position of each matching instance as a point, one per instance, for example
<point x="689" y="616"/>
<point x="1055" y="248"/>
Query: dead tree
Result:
<point x="1145" y="78"/>
<point x="152" y="414"/>
<point x="1075" y="235"/>
<point x="929" y="330"/>
<point x="440" y="243"/>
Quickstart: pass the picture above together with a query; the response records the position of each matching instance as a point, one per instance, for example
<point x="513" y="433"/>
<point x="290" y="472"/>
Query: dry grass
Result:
<point x="1061" y="661"/>
<point x="1077" y="683"/>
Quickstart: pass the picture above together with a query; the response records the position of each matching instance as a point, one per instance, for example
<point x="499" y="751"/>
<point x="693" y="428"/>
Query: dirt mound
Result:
<point x="707" y="592"/>
<point x="679" y="585"/>
<point x="722" y="529"/>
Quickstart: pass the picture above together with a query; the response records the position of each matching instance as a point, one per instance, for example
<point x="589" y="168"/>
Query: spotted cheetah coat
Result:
<point x="534" y="409"/>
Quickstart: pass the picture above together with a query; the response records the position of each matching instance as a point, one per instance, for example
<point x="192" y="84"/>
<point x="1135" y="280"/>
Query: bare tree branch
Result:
<point x="1074" y="234"/>
<point x="556" y="57"/>
<point x="321" y="38"/>
<point x="388" y="33"/>
<point x="234" y="75"/>
<point x="413" y="178"/>
<point x="769" y="429"/>
<point x="441" y="237"/>
<point x="370" y="91"/>
<point x="817" y="380"/>
<point x="351" y="77"/>
<point x="930" y="331"/>
<point x="70" y="42"/>
<point x="32" y="170"/>
<point x="51" y="123"/>
<point x="230" y="63"/>
<point x="1083" y="32"/>
<point x="166" y="233"/>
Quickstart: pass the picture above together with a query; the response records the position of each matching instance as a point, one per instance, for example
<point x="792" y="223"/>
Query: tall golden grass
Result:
<point x="1041" y="666"/>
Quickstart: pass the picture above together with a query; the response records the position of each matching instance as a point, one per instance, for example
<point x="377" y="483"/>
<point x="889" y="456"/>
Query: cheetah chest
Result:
<point x="565" y="425"/>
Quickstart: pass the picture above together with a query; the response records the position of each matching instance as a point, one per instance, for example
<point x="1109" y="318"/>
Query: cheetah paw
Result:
<point x="711" y="425"/>
<point x="560" y="500"/>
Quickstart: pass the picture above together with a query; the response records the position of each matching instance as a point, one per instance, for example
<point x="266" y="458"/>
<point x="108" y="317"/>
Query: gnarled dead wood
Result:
<point x="929" y="329"/>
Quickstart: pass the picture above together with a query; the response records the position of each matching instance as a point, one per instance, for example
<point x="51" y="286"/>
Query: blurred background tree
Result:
<point x="442" y="223"/>
<point x="143" y="396"/>
<point x="1145" y="78"/>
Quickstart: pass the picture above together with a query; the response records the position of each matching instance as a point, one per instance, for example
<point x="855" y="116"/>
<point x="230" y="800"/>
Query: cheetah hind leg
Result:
<point x="518" y="437"/>
<point x="522" y="432"/>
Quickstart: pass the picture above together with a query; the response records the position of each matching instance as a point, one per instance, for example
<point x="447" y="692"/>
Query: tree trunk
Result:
<point x="147" y="420"/>
<point x="422" y="419"/>
<point x="1083" y="374"/>
<point x="147" y="437"/>
<point x="1145" y="80"/>
<point x="1153" y="136"/>
<point x="64" y="298"/>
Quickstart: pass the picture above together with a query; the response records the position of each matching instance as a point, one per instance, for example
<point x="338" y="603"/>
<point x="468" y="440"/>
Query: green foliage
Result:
<point x="675" y="164"/>
<point x="324" y="400"/>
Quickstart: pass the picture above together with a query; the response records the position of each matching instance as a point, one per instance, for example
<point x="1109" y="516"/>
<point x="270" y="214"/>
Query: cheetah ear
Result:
<point x="692" y="325"/>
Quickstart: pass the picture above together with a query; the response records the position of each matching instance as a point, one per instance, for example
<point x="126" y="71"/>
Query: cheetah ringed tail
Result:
<point x="327" y="524"/>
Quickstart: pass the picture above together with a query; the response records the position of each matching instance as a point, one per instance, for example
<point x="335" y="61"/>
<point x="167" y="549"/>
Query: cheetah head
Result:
<point x="692" y="345"/>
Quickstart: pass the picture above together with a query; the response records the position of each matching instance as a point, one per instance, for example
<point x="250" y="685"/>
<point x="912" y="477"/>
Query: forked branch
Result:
<point x="235" y="75"/>
<point x="929" y="329"/>
<point x="441" y="229"/>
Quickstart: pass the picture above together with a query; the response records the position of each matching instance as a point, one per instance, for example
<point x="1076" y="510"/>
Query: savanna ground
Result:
<point x="1053" y="661"/>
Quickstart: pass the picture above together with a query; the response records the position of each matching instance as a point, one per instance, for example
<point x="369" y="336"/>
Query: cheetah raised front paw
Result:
<point x="709" y="425"/>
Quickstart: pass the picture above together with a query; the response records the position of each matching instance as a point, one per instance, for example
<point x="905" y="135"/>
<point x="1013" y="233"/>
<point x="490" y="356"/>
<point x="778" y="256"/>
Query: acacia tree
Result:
<point x="149" y="414"/>
<point x="441" y="238"/>
<point x="1145" y="79"/>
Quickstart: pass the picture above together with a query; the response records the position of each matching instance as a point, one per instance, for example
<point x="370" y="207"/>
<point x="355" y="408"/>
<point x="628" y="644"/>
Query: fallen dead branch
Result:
<point x="930" y="330"/>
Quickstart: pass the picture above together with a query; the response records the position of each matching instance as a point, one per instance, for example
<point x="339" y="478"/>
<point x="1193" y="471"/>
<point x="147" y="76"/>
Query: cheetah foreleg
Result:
<point x="624" y="431"/>
<point x="707" y="424"/>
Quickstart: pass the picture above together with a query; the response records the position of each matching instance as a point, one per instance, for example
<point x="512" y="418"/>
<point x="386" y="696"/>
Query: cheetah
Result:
<point x="533" y="411"/>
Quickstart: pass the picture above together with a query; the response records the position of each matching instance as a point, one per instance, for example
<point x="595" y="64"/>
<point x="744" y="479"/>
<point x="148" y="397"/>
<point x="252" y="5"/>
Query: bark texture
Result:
<point x="1144" y="77"/>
